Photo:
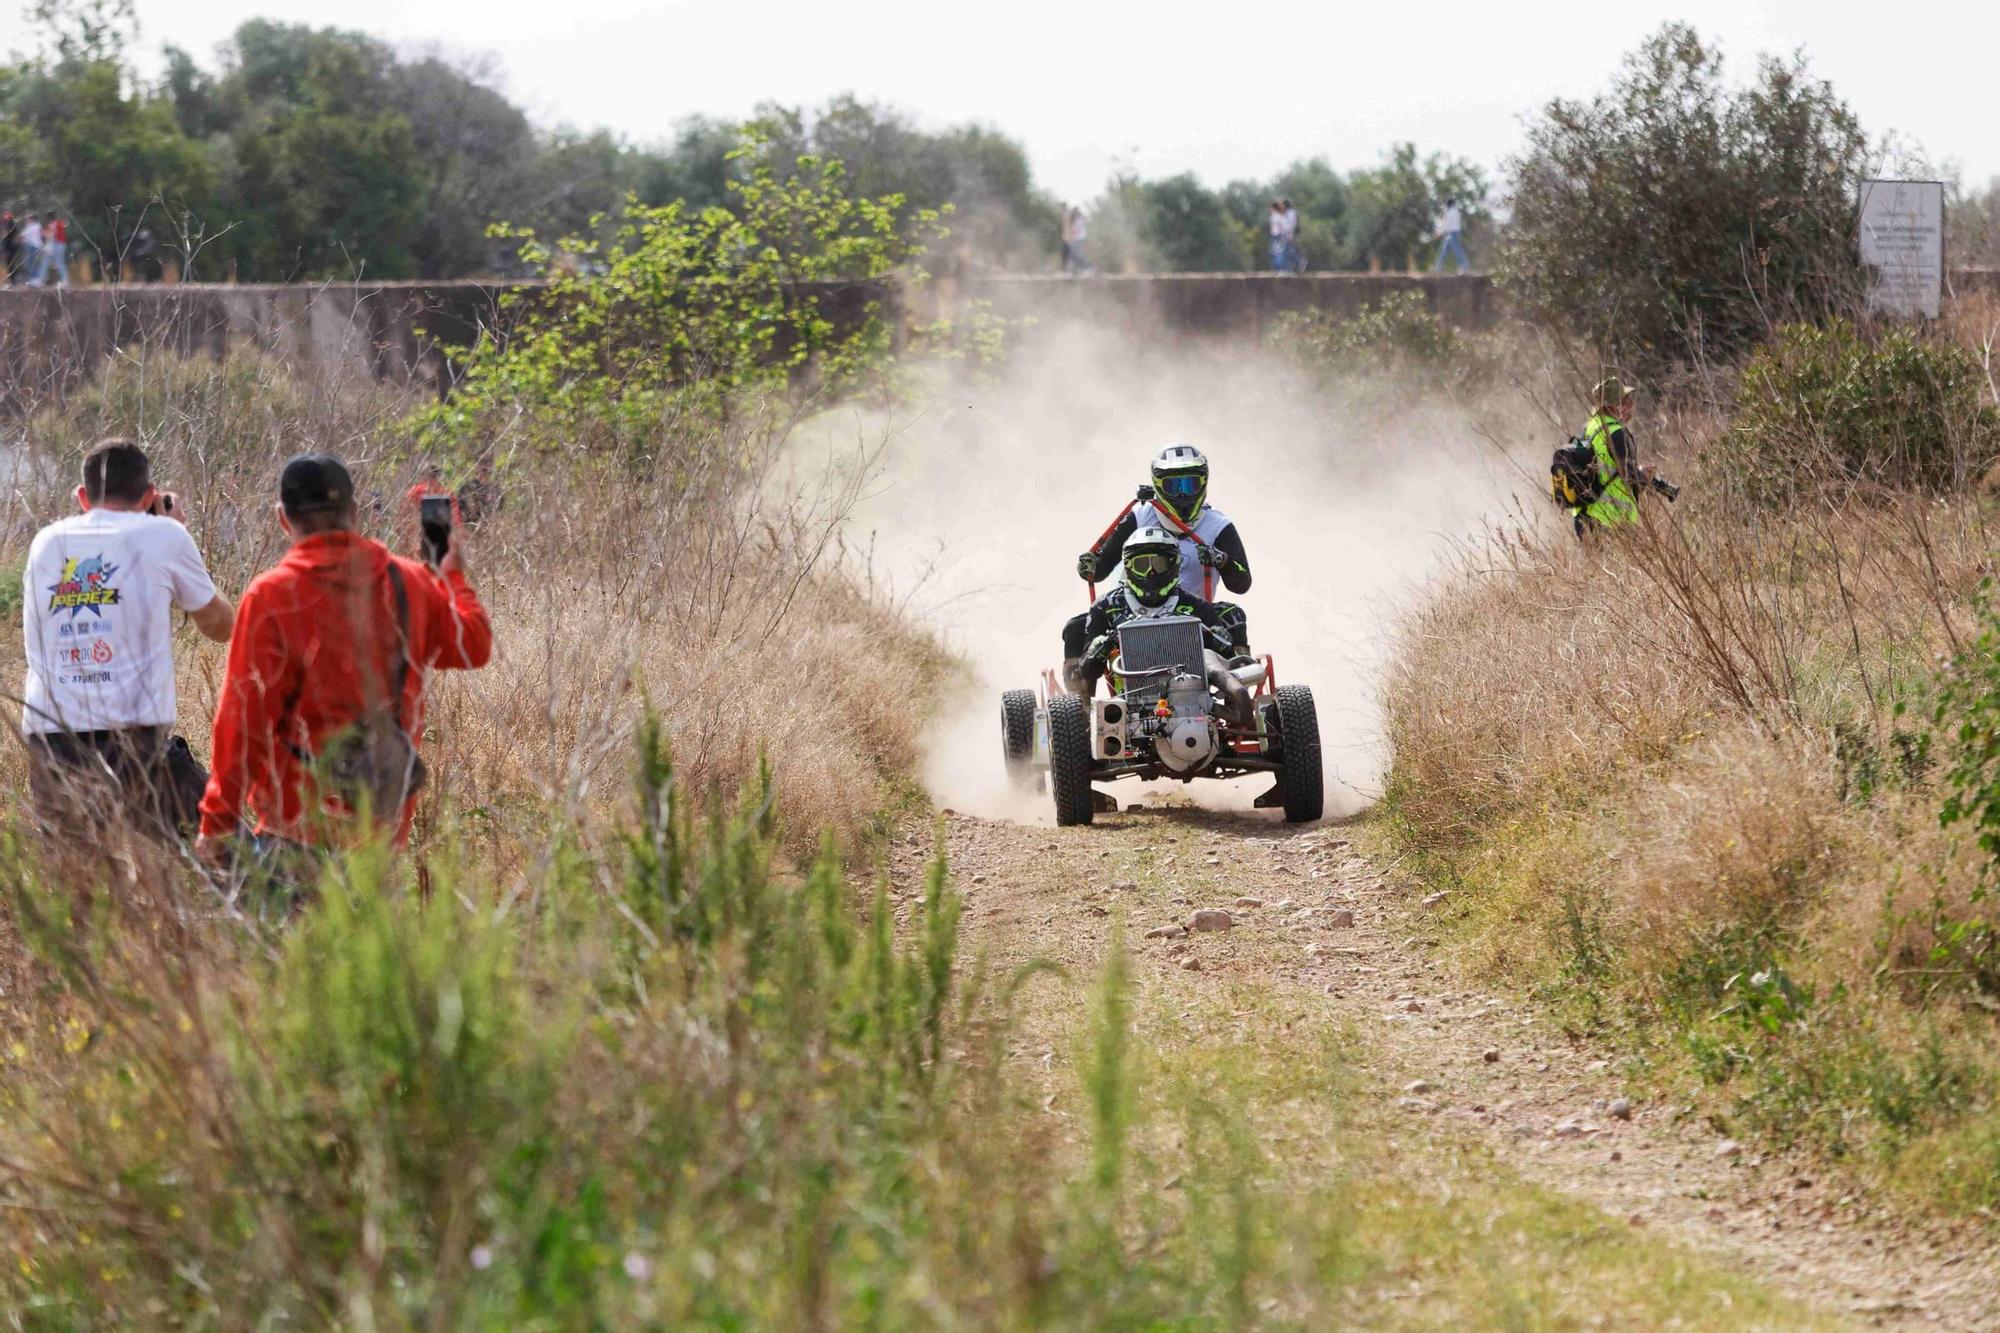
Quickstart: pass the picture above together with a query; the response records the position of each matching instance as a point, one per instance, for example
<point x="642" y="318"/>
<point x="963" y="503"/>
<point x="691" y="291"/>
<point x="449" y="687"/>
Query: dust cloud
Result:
<point x="982" y="501"/>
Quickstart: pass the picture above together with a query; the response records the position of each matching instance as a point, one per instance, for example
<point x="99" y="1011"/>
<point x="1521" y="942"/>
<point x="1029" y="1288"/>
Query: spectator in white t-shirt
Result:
<point x="97" y="604"/>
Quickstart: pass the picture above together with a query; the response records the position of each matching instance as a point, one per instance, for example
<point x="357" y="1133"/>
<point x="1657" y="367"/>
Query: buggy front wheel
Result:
<point x="1300" y="782"/>
<point x="1070" y="759"/>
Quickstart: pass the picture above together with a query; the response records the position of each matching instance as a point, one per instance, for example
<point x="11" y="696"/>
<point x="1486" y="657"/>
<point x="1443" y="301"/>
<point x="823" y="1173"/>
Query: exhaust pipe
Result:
<point x="1236" y="706"/>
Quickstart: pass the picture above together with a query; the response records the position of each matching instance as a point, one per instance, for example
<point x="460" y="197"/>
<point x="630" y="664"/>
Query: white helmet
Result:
<point x="1152" y="559"/>
<point x="1180" y="480"/>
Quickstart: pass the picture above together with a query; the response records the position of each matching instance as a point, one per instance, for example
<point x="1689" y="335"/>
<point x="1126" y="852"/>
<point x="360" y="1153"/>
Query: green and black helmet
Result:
<point x="1180" y="480"/>
<point x="1152" y="558"/>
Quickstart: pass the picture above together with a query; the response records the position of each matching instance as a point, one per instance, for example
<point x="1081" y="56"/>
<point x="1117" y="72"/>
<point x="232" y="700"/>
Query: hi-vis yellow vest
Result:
<point x="1614" y="506"/>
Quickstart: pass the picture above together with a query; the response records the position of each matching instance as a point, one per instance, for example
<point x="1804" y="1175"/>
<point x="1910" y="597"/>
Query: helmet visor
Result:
<point x="1153" y="574"/>
<point x="1184" y="487"/>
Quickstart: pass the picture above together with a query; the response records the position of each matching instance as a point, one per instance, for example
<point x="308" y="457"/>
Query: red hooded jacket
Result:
<point x="313" y="645"/>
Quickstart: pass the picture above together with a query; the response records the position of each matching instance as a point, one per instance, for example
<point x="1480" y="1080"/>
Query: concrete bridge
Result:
<point x="408" y="330"/>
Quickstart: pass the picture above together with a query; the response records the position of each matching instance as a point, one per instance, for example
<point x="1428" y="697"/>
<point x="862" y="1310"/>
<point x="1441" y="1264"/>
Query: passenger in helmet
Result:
<point x="1179" y="505"/>
<point x="1152" y="563"/>
<point x="1152" y="587"/>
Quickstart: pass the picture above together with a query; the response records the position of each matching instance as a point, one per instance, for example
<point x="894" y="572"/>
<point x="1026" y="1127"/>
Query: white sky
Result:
<point x="1225" y="91"/>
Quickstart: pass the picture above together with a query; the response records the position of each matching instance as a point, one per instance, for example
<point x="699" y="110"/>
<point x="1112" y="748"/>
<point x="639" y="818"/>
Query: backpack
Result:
<point x="1574" y="482"/>
<point x="372" y="763"/>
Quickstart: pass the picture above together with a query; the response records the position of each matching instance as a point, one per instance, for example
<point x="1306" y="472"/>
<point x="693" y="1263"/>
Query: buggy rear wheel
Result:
<point x="1070" y="759"/>
<point x="1017" y="735"/>
<point x="1300" y="782"/>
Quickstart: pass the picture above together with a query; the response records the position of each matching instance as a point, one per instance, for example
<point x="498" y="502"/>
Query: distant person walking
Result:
<point x="1295" y="259"/>
<point x="1074" y="232"/>
<point x="143" y="255"/>
<point x="1451" y="227"/>
<point x="31" y="252"/>
<point x="10" y="248"/>
<point x="1277" y="236"/>
<point x="55" y="264"/>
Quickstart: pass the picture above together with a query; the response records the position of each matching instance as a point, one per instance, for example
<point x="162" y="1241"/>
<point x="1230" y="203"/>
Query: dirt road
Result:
<point x="1444" y="1068"/>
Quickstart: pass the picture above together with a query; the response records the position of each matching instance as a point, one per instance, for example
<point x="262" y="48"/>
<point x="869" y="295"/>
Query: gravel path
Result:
<point x="1305" y="910"/>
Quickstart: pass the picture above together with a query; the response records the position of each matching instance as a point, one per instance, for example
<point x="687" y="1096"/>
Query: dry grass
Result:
<point x="1679" y="763"/>
<point x="589" y="954"/>
<point x="705" y="583"/>
<point x="1673" y="775"/>
<point x="1741" y="831"/>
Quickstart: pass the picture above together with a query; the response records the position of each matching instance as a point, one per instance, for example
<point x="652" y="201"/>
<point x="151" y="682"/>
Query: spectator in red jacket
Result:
<point x="310" y="709"/>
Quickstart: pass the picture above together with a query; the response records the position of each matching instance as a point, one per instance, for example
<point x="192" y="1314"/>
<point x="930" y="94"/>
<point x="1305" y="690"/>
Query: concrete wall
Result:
<point x="50" y="338"/>
<point x="1237" y="305"/>
<point x="388" y="330"/>
<point x="406" y="330"/>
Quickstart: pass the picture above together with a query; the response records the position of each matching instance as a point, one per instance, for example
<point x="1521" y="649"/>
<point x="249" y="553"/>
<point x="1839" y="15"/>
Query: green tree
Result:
<point x="999" y="217"/>
<point x="1176" y="225"/>
<point x="96" y="150"/>
<point x="696" y="170"/>
<point x="1678" y="216"/>
<point x="697" y="311"/>
<point x="1185" y="228"/>
<point x="191" y="92"/>
<point x="1394" y="208"/>
<point x="82" y="31"/>
<point x="322" y="174"/>
<point x="473" y="149"/>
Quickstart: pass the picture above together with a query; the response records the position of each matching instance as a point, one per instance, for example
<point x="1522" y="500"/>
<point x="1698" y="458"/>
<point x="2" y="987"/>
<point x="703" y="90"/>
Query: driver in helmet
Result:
<point x="1152" y="587"/>
<point x="1180" y="488"/>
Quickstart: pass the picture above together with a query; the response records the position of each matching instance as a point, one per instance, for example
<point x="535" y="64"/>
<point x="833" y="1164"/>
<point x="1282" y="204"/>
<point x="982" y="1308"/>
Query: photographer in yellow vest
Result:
<point x="1618" y="471"/>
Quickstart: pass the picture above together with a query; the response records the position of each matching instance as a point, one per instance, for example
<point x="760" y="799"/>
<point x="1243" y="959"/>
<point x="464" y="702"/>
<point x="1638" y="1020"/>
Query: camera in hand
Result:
<point x="434" y="513"/>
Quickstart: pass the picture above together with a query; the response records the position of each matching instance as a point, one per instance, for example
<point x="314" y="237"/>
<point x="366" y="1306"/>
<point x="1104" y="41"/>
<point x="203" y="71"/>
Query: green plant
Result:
<point x="10" y="589"/>
<point x="1676" y="215"/>
<point x="1866" y="768"/>
<point x="687" y="312"/>
<point x="1385" y="348"/>
<point x="1967" y="719"/>
<point x="1826" y="409"/>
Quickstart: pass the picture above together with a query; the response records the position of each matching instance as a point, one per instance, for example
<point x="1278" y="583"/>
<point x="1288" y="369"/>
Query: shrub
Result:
<point x="1967" y="715"/>
<point x="693" y="313"/>
<point x="1386" y="350"/>
<point x="1675" y="215"/>
<point x="1831" y="408"/>
<point x="1399" y="327"/>
<point x="10" y="590"/>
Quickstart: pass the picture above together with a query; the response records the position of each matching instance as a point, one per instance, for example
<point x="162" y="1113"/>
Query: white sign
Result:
<point x="1902" y="246"/>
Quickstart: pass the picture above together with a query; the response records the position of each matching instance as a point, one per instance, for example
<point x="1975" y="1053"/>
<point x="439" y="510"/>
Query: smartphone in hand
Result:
<point x="434" y="513"/>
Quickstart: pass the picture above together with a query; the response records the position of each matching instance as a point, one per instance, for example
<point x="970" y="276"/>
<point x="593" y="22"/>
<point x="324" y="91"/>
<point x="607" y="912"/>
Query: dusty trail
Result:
<point x="1454" y="1063"/>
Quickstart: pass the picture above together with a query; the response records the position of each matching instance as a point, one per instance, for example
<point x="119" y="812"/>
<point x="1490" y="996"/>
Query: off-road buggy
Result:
<point x="1175" y="710"/>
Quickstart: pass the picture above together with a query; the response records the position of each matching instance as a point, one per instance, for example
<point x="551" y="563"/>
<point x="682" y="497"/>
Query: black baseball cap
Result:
<point x="315" y="484"/>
